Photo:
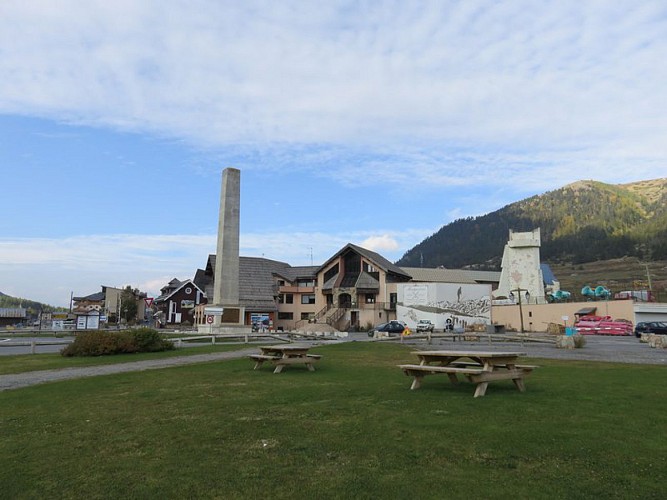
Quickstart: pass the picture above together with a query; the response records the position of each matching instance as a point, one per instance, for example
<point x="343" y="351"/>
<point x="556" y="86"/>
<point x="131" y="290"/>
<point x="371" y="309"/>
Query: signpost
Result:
<point x="210" y="312"/>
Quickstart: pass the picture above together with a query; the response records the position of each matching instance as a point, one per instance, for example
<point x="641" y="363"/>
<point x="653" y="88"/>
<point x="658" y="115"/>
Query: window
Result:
<point x="281" y="298"/>
<point x="369" y="268"/>
<point x="289" y="298"/>
<point x="308" y="299"/>
<point x="305" y="282"/>
<point x="333" y="271"/>
<point x="284" y="315"/>
<point x="370" y="298"/>
<point x="281" y="282"/>
<point x="307" y="315"/>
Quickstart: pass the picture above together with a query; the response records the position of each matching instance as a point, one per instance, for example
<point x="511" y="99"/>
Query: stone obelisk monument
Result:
<point x="226" y="278"/>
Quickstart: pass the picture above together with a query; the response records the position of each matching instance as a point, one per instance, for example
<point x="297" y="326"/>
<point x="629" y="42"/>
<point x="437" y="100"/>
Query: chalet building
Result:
<point x="357" y="287"/>
<point x="354" y="288"/>
<point x="177" y="301"/>
<point x="93" y="302"/>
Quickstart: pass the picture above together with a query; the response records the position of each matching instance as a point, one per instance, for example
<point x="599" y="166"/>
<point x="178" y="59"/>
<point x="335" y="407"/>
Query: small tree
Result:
<point x="128" y="305"/>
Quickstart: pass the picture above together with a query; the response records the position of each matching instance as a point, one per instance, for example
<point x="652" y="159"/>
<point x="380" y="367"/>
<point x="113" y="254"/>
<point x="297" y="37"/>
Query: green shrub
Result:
<point x="149" y="340"/>
<point x="103" y="343"/>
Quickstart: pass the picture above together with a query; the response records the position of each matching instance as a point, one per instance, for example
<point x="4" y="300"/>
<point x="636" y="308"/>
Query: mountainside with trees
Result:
<point x="31" y="306"/>
<point x="582" y="222"/>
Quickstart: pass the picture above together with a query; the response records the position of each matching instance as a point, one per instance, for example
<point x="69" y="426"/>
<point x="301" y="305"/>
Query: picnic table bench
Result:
<point x="283" y="355"/>
<point x="483" y="368"/>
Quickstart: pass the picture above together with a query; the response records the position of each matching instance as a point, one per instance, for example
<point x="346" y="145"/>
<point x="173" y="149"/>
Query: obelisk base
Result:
<point x="231" y="322"/>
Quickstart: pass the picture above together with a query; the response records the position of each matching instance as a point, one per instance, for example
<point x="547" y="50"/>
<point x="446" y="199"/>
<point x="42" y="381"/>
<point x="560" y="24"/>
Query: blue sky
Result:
<point x="367" y="122"/>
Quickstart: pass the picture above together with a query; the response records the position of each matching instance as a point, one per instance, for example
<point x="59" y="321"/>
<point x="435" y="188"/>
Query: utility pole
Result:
<point x="648" y="278"/>
<point x="518" y="292"/>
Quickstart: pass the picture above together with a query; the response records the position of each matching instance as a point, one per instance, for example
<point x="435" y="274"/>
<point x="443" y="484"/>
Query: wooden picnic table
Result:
<point x="480" y="367"/>
<point x="283" y="355"/>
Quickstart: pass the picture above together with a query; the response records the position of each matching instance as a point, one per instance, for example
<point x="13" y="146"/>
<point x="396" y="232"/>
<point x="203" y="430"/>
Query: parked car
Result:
<point x="425" y="325"/>
<point x="658" y="327"/>
<point x="394" y="327"/>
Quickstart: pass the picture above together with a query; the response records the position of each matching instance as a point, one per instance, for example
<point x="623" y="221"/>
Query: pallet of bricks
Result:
<point x="555" y="329"/>
<point x="472" y="332"/>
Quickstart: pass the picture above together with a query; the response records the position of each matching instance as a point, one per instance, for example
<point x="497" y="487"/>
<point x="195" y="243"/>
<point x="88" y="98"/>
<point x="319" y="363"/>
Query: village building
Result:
<point x="177" y="301"/>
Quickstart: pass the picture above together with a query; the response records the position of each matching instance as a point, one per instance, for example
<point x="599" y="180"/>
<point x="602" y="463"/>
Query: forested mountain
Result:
<point x="32" y="306"/>
<point x="581" y="222"/>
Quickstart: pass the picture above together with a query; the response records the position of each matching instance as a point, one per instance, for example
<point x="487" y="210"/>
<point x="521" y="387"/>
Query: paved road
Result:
<point x="5" y="350"/>
<point x="597" y="348"/>
<point x="614" y="349"/>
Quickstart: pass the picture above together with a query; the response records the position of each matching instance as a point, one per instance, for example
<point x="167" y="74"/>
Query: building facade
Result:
<point x="177" y="302"/>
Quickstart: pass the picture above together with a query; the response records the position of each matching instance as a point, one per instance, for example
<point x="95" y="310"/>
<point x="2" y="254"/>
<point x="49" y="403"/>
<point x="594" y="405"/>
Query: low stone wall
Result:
<point x="565" y="342"/>
<point x="657" y="341"/>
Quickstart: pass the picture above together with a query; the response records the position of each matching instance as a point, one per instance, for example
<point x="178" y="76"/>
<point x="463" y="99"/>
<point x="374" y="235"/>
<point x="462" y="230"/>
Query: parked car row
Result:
<point x="396" y="327"/>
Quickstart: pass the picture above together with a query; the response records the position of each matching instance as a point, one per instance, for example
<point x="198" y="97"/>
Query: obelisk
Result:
<point x="226" y="278"/>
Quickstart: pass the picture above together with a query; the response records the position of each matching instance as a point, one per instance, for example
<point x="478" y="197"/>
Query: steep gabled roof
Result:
<point x="201" y="279"/>
<point x="256" y="281"/>
<point x="171" y="291"/>
<point x="374" y="257"/>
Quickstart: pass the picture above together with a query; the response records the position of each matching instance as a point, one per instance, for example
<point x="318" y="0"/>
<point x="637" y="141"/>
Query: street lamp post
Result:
<point x="518" y="292"/>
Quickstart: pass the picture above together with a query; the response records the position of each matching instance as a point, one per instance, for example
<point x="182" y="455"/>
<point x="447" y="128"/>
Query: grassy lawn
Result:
<point x="53" y="361"/>
<point x="350" y="429"/>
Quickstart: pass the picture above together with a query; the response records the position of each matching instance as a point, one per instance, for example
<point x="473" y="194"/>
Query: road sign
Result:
<point x="213" y="310"/>
<point x="209" y="319"/>
<point x="148" y="301"/>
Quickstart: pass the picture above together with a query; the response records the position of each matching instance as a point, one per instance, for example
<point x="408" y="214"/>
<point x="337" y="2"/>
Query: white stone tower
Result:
<point x="226" y="277"/>
<point x="521" y="272"/>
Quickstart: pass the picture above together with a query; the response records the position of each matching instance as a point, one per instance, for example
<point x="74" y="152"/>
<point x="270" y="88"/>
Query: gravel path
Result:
<point x="612" y="349"/>
<point x="18" y="380"/>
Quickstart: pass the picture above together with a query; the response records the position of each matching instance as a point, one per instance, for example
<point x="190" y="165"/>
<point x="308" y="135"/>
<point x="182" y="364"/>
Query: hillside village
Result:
<point x="356" y="289"/>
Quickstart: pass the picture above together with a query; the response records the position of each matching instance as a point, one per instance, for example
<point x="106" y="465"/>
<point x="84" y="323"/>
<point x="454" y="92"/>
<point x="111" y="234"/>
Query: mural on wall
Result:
<point x="445" y="304"/>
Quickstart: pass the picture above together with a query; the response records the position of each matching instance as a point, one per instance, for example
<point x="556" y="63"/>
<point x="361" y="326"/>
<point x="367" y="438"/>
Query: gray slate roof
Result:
<point x="367" y="282"/>
<point x="93" y="297"/>
<point x="452" y="275"/>
<point x="293" y="273"/>
<point x="256" y="280"/>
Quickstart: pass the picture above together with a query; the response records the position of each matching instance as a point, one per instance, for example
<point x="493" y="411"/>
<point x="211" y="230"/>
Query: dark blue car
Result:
<point x="658" y="327"/>
<point x="392" y="328"/>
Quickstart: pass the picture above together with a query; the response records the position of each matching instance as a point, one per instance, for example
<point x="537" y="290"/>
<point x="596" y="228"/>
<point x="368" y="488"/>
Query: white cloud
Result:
<point x="418" y="81"/>
<point x="49" y="270"/>
<point x="380" y="243"/>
